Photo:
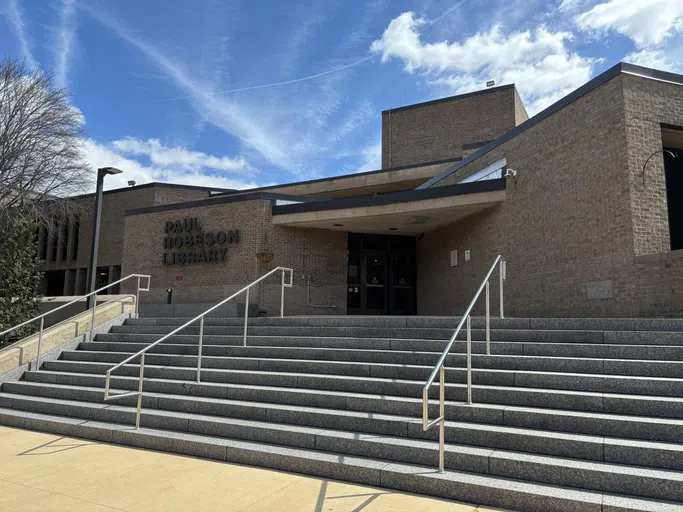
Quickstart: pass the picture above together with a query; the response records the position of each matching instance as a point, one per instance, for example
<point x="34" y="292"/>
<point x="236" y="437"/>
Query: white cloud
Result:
<point x="16" y="19"/>
<point x="178" y="156"/>
<point x="226" y="115"/>
<point x="372" y="157"/>
<point x="568" y="5"/>
<point x="647" y="22"/>
<point x="100" y="155"/>
<point x="655" y="59"/>
<point x="64" y="41"/>
<point x="539" y="62"/>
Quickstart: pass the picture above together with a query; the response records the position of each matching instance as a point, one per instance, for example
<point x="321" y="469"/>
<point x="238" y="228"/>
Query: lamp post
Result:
<point x="92" y="269"/>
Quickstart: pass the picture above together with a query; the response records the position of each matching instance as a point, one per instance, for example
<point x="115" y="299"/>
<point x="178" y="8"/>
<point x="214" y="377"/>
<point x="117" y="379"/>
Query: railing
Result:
<point x="94" y="310"/>
<point x="141" y="353"/>
<point x="440" y="368"/>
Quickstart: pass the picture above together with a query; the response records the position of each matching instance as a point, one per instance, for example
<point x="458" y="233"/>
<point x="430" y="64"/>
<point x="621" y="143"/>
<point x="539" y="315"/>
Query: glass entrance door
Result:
<point x="381" y="277"/>
<point x="374" y="282"/>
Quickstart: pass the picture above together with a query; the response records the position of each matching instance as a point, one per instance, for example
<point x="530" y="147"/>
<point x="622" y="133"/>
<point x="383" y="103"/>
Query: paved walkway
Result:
<point x="46" y="472"/>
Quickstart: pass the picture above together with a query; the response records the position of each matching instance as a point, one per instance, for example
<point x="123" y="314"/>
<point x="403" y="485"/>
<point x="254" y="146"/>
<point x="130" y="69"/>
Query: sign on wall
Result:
<point x="186" y="243"/>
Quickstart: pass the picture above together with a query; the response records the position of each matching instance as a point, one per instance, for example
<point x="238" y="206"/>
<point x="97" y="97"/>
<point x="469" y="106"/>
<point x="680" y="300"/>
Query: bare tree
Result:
<point x="41" y="136"/>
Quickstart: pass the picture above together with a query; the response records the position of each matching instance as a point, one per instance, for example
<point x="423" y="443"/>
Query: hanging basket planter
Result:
<point x="265" y="256"/>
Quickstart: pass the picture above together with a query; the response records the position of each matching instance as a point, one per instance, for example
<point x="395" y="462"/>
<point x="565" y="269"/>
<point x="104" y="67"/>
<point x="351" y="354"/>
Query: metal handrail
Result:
<point x="94" y="310"/>
<point x="426" y="424"/>
<point x="141" y="353"/>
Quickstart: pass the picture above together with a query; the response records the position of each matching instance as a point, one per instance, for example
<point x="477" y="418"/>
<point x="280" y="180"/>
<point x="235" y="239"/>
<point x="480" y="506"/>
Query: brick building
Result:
<point x="584" y="200"/>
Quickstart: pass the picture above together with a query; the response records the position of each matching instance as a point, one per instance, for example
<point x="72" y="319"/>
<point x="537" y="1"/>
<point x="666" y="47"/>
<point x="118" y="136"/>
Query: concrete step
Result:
<point x="611" y="425"/>
<point x="520" y="335"/>
<point x="480" y="376"/>
<point x="577" y="350"/>
<point x="593" y="324"/>
<point x="599" y="476"/>
<point x="566" y="399"/>
<point x="585" y="447"/>
<point x="463" y="486"/>
<point x="109" y="351"/>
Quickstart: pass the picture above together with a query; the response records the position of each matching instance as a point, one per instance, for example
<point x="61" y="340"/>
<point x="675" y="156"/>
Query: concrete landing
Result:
<point x="45" y="472"/>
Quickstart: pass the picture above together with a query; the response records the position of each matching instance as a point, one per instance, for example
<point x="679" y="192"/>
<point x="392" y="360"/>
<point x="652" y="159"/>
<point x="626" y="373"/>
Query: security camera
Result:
<point x="131" y="183"/>
<point x="510" y="173"/>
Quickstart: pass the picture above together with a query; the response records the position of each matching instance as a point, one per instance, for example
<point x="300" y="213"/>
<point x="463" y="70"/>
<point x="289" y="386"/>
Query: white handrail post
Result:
<point x="199" y="356"/>
<point x="142" y="372"/>
<point x="92" y="320"/>
<point x="246" y="317"/>
<point x="40" y="341"/>
<point x="425" y="408"/>
<point x="469" y="359"/>
<point x="442" y="413"/>
<point x="106" y="385"/>
<point x="488" y="320"/>
<point x="137" y="299"/>
<point x="282" y="296"/>
<point x="502" y="278"/>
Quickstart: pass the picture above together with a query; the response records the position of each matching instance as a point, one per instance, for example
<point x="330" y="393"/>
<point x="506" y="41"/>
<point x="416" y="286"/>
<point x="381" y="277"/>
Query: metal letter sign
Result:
<point x="186" y="243"/>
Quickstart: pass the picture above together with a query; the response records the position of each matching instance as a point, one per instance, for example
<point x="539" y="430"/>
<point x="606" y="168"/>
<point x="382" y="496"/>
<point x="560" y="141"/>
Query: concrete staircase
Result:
<point x="568" y="414"/>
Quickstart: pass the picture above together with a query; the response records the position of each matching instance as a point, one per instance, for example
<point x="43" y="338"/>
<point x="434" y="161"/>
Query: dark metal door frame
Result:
<point x="365" y="285"/>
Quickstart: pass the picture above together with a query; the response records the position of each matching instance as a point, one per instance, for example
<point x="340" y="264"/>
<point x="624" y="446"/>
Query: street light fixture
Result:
<point x="92" y="269"/>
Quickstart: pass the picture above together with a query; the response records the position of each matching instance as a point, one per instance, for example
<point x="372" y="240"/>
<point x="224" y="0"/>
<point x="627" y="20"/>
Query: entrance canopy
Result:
<point x="411" y="212"/>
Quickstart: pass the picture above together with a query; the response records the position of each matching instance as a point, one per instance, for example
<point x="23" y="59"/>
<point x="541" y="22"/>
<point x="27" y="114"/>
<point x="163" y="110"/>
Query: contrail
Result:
<point x="436" y="20"/>
<point x="264" y="86"/>
<point x="310" y="77"/>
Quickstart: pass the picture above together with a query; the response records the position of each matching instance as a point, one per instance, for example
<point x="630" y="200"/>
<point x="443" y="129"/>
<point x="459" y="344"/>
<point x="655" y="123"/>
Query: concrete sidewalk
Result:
<point x="45" y="472"/>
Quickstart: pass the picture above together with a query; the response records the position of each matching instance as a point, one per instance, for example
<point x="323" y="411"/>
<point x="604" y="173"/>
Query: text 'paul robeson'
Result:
<point x="187" y="243"/>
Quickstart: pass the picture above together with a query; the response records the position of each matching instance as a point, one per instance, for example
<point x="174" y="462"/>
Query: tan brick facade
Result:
<point x="576" y="216"/>
<point x="322" y="255"/>
<point x="584" y="232"/>
<point x="110" y="253"/>
<point x="438" y="130"/>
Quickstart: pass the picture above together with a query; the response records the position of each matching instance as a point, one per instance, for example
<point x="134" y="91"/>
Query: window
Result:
<point x="64" y="250"/>
<point x="55" y="239"/>
<point x="43" y="249"/>
<point x="492" y="172"/>
<point x="74" y="247"/>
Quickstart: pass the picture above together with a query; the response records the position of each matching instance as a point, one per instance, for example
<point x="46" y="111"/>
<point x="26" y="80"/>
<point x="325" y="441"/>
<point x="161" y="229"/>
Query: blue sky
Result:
<point x="243" y="93"/>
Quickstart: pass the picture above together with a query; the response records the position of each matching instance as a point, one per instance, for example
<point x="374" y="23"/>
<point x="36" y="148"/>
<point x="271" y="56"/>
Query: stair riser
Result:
<point x="455" y="433"/>
<point x="454" y="392"/>
<point x="612" y="452"/>
<point x="213" y="372"/>
<point x="391" y="476"/>
<point x="485" y="462"/>
<point x="115" y="352"/>
<point x="591" y="324"/>
<point x="635" y="429"/>
<point x="221" y="345"/>
<point x="520" y="335"/>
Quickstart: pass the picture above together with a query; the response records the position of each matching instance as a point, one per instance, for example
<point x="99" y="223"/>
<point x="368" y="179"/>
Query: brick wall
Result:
<point x="438" y="130"/>
<point x="170" y="195"/>
<point x="114" y="206"/>
<point x="317" y="253"/>
<point x="575" y="222"/>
